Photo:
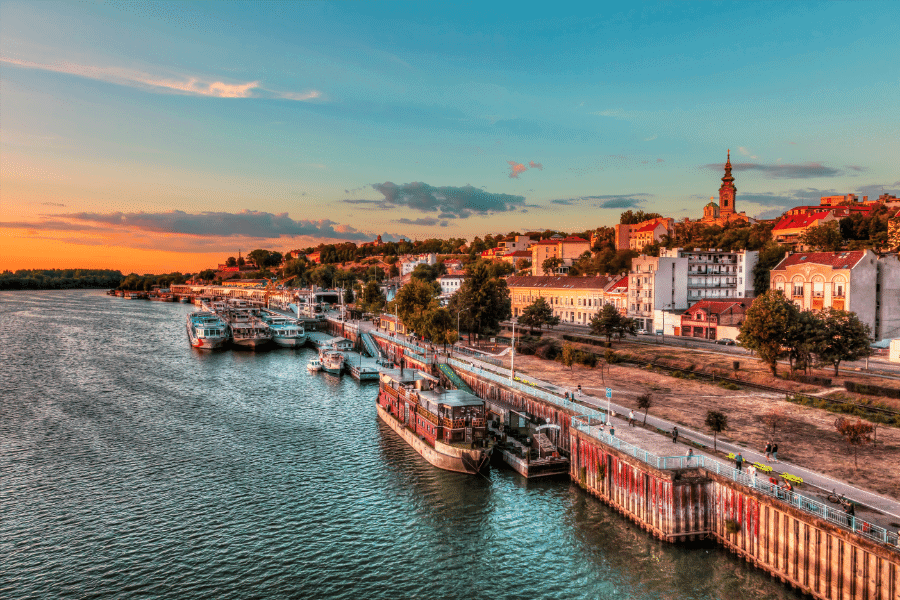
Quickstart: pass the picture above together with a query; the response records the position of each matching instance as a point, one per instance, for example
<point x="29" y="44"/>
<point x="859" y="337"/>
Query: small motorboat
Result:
<point x="314" y="365"/>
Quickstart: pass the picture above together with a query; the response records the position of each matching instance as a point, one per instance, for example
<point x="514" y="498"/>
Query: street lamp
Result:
<point x="664" y="321"/>
<point x="512" y="365"/>
<point x="461" y="311"/>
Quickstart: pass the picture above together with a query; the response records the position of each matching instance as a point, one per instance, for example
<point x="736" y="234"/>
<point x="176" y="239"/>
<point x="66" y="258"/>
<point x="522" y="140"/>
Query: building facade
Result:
<point x="656" y="283"/>
<point x="706" y="319"/>
<point x="638" y="235"/>
<point x="409" y="263"/>
<point x="567" y="250"/>
<point x="859" y="281"/>
<point x="726" y="211"/>
<point x="717" y="273"/>
<point x="573" y="299"/>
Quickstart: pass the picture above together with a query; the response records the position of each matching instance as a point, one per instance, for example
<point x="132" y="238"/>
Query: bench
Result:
<point x="762" y="468"/>
<point x="731" y="456"/>
<point x="792" y="478"/>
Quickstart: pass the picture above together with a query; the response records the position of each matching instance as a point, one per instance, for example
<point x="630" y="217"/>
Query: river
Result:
<point x="134" y="466"/>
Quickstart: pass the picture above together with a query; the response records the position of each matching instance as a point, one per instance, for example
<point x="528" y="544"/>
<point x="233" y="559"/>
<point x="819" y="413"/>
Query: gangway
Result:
<point x="370" y="346"/>
<point x="455" y="379"/>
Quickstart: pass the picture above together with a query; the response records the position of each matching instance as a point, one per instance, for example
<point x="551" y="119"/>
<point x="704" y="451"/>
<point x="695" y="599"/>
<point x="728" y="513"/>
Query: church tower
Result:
<point x="727" y="191"/>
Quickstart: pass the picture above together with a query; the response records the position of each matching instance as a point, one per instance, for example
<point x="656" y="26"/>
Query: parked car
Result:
<point x="725" y="341"/>
<point x="642" y="332"/>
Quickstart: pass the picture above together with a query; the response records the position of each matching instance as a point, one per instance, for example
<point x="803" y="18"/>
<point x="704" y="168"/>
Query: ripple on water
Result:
<point x="132" y="465"/>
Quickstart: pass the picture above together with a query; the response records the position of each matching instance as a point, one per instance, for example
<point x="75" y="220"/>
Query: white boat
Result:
<point x="314" y="365"/>
<point x="286" y="331"/>
<point x="247" y="329"/>
<point x="332" y="361"/>
<point x="206" y="330"/>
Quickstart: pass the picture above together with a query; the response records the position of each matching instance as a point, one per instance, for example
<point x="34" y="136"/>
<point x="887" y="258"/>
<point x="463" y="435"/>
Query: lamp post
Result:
<point x="664" y="322"/>
<point x="512" y="365"/>
<point x="461" y="311"/>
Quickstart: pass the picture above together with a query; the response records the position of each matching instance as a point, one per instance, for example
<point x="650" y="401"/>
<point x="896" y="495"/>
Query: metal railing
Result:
<point x="476" y="354"/>
<point x="399" y="341"/>
<point x="585" y="424"/>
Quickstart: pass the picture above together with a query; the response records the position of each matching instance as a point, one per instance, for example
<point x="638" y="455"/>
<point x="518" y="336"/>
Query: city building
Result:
<point x="409" y="263"/>
<point x="859" y="281"/>
<point x="450" y="284"/>
<point x="790" y="227"/>
<point x="567" y="250"/>
<point x="573" y="299"/>
<point x="656" y="283"/>
<point x="717" y="273"/>
<point x="515" y="258"/>
<point x="616" y="293"/>
<point x="516" y="244"/>
<point x="638" y="235"/>
<point x="713" y="319"/>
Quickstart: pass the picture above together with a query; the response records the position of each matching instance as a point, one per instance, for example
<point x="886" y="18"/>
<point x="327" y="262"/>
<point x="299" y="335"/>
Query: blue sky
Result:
<point x="183" y="131"/>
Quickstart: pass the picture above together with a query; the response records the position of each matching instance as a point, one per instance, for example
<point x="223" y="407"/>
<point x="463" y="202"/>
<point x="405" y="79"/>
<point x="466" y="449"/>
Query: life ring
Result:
<point x="773" y="481"/>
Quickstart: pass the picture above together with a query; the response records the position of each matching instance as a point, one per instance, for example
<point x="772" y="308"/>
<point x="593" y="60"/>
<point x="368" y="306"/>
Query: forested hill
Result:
<point x="59" y="279"/>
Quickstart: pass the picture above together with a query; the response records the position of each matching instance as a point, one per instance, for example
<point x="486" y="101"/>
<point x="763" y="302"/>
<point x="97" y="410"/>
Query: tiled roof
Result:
<point x="836" y="260"/>
<point x="519" y="254"/>
<point x="798" y="221"/>
<point x="569" y="239"/>
<point x="717" y="307"/>
<point x="650" y="226"/>
<point x="558" y="282"/>
<point x="621" y="282"/>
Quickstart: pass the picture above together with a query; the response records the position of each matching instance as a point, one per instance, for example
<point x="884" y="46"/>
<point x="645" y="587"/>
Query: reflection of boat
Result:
<point x="314" y="365"/>
<point x="206" y="330"/>
<point x="332" y="361"/>
<point x="285" y="330"/>
<point x="446" y="427"/>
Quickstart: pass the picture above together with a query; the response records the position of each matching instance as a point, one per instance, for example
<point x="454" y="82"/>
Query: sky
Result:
<point x="153" y="137"/>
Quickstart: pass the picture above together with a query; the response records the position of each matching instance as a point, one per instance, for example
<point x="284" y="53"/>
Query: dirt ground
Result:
<point x="805" y="435"/>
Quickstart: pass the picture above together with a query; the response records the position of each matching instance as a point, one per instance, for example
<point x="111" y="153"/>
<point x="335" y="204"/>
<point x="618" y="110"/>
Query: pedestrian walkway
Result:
<point x="455" y="379"/>
<point x="371" y="347"/>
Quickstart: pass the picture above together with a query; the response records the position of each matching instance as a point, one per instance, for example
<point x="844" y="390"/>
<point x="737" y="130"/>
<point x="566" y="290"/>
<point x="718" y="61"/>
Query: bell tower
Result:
<point x="727" y="191"/>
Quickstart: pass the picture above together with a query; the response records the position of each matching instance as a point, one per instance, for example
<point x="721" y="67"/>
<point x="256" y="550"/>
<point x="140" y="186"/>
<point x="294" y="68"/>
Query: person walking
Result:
<point x="739" y="462"/>
<point x="631" y="418"/>
<point x="752" y="471"/>
<point x="775" y="451"/>
<point x="674" y="435"/>
<point x="768" y="450"/>
<point x="690" y="455"/>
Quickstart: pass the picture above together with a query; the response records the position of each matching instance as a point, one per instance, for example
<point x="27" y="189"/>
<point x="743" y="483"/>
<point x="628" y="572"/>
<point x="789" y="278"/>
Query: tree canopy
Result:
<point x="840" y="336"/>
<point x="484" y="298"/>
<point x="770" y="320"/>
<point x="823" y="238"/>
<point x="413" y="303"/>
<point x="608" y="322"/>
<point x="537" y="314"/>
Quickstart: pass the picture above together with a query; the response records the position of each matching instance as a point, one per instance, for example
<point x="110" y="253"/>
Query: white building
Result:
<point x="656" y="283"/>
<point x="517" y="244"/>
<point x="409" y="263"/>
<point x="716" y="274"/>
<point x="450" y="284"/>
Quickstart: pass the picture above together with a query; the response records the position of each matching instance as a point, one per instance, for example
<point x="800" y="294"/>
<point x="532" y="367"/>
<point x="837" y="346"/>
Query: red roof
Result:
<point x="717" y="307"/>
<point x="621" y="283"/>
<point x="836" y="260"/>
<point x="519" y="254"/>
<point x="568" y="239"/>
<point x="798" y="221"/>
<point x="652" y="225"/>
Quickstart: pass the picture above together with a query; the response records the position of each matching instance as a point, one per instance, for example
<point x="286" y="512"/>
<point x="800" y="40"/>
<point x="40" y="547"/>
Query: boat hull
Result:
<point x="441" y="455"/>
<point x="251" y="343"/>
<point x="289" y="342"/>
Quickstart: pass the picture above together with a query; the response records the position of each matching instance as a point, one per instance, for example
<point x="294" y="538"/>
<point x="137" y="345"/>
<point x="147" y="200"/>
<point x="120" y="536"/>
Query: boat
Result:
<point x="206" y="330"/>
<point x="314" y="365"/>
<point x="286" y="331"/>
<point x="446" y="427"/>
<point x="246" y="328"/>
<point x="332" y="361"/>
<point x="185" y="299"/>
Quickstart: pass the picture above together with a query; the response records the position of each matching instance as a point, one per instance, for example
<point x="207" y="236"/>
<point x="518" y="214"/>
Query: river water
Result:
<point x="133" y="466"/>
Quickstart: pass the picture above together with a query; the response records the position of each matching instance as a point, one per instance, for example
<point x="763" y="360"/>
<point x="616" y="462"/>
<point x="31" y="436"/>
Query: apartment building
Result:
<point x="717" y="273"/>
<point x="859" y="281"/>
<point x="656" y="283"/>
<point x="568" y="250"/>
<point x="573" y="299"/>
<point x="409" y="263"/>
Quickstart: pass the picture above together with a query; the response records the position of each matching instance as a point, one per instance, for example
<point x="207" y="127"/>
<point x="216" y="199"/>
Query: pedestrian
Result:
<point x="674" y="435"/>
<point x="612" y="430"/>
<point x="739" y="462"/>
<point x="752" y="471"/>
<point x="775" y="451"/>
<point x="579" y="389"/>
<point x="768" y="450"/>
<point x="690" y="455"/>
<point x="631" y="418"/>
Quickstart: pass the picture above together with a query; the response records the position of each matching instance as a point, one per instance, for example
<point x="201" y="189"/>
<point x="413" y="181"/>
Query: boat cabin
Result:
<point x="340" y="343"/>
<point x="435" y="414"/>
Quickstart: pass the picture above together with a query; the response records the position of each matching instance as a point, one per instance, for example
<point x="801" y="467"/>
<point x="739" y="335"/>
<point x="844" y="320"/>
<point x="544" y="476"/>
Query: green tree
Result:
<point x="568" y="355"/>
<point x="856" y="434"/>
<point x="630" y="217"/>
<point x="823" y="238"/>
<point x="717" y="423"/>
<point x="550" y="265"/>
<point x="413" y="303"/>
<point x="644" y="401"/>
<point x="841" y="336"/>
<point x="768" y="327"/>
<point x="425" y="272"/>
<point x="348" y="295"/>
<point x="769" y="256"/>
<point x="440" y="327"/>
<point x="372" y="298"/>
<point x="608" y="322"/>
<point x="206" y="275"/>
<point x="231" y="262"/>
<point x="485" y="298"/>
<point x="537" y="314"/>
<point x="800" y="341"/>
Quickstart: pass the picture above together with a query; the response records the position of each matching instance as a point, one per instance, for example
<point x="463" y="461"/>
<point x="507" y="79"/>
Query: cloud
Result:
<point x="460" y="201"/>
<point x="650" y="139"/>
<point x="784" y="171"/>
<point x="51" y="204"/>
<point x="536" y="165"/>
<point x="246" y="223"/>
<point x="617" y="113"/>
<point x="189" y="85"/>
<point x="426" y="221"/>
<point x="47" y="226"/>
<point x="659" y="160"/>
<point x="856" y="168"/>
<point x="606" y="201"/>
<point x="516" y="169"/>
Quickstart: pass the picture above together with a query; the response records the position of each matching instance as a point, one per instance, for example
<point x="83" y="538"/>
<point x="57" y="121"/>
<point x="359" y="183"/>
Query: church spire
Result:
<point x="727" y="191"/>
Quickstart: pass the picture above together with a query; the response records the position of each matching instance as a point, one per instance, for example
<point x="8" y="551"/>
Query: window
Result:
<point x="838" y="289"/>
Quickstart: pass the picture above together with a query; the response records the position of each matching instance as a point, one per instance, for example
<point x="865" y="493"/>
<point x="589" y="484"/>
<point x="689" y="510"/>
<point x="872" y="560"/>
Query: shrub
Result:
<point x="728" y="385"/>
<point x="611" y="357"/>
<point x="871" y="390"/>
<point x="588" y="359"/>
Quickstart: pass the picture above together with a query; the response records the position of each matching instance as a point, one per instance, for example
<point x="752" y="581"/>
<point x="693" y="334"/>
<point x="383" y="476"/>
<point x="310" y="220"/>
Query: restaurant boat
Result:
<point x="246" y="328"/>
<point x="447" y="427"/>
<point x="206" y="330"/>
<point x="332" y="361"/>
<point x="286" y="331"/>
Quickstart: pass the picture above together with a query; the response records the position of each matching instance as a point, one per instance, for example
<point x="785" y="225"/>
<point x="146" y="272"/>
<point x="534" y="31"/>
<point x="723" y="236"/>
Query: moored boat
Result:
<point x="246" y="328"/>
<point x="314" y="365"/>
<point x="332" y="361"/>
<point x="446" y="427"/>
<point x="286" y="331"/>
<point x="206" y="330"/>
